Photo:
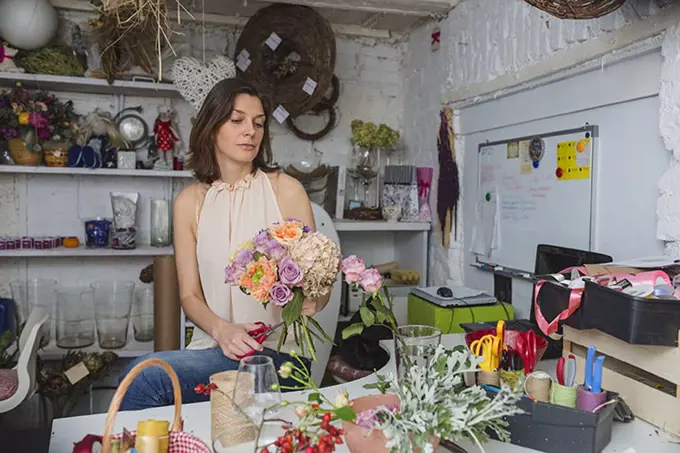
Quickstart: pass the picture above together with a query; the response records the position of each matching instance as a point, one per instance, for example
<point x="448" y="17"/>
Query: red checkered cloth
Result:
<point x="181" y="442"/>
<point x="9" y="383"/>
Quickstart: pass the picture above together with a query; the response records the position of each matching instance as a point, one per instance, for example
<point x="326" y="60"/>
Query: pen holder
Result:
<point x="561" y="395"/>
<point x="510" y="377"/>
<point x="492" y="378"/>
<point x="589" y="401"/>
<point x="538" y="385"/>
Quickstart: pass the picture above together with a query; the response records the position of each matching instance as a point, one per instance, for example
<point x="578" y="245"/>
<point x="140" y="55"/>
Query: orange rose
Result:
<point x="286" y="232"/>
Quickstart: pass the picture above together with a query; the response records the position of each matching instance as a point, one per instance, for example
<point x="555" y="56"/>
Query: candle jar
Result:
<point x="160" y="223"/>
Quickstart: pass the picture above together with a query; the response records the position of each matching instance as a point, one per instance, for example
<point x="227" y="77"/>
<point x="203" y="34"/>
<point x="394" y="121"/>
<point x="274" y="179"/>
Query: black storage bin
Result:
<point x="556" y="429"/>
<point x="553" y="299"/>
<point x="635" y="320"/>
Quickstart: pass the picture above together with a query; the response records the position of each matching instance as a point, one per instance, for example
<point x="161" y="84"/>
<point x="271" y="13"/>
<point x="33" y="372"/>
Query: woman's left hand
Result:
<point x="309" y="308"/>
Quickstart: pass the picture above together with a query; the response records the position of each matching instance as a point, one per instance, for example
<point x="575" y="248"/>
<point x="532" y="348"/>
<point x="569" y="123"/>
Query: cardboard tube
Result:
<point x="166" y="305"/>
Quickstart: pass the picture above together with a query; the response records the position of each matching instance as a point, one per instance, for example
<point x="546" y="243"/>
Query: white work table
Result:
<point x="634" y="437"/>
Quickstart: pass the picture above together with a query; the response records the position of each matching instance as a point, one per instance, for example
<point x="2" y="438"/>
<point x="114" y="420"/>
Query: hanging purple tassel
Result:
<point x="448" y="187"/>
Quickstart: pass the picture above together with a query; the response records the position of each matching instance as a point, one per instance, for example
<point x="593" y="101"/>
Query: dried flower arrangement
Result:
<point x="39" y="112"/>
<point x="138" y="30"/>
<point x="370" y="135"/>
<point x="55" y="383"/>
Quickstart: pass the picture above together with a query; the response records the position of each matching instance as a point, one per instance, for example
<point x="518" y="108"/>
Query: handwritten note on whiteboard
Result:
<point x="490" y="169"/>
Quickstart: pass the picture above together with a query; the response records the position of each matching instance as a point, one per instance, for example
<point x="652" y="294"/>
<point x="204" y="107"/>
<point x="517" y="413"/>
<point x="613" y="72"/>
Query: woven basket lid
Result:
<point x="287" y="52"/>
<point x="577" y="9"/>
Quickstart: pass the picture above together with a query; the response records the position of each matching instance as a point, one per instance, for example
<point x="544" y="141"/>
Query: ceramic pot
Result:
<point x="358" y="438"/>
<point x="391" y="212"/>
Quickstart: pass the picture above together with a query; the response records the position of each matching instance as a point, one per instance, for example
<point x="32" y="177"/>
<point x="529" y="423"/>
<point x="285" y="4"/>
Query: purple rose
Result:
<point x="306" y="229"/>
<point x="243" y="257"/>
<point x="280" y="294"/>
<point x="289" y="272"/>
<point x="276" y="251"/>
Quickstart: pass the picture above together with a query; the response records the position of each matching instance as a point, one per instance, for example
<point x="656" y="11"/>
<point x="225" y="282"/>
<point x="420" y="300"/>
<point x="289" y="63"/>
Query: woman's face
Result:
<point x="239" y="138"/>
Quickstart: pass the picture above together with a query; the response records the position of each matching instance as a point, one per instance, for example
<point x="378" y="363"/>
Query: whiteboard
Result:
<point x="533" y="190"/>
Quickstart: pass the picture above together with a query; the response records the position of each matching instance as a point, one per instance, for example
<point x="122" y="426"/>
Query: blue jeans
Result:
<point x="152" y="387"/>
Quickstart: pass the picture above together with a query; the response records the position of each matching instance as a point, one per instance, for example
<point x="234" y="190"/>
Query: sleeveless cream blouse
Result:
<point x="231" y="215"/>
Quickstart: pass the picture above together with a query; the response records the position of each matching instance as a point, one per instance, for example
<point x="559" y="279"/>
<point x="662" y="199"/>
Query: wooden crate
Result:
<point x="647" y="377"/>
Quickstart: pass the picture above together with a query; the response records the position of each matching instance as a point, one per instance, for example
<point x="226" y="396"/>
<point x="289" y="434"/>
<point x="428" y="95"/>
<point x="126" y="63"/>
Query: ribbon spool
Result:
<point x="589" y="401"/>
<point x="492" y="378"/>
<point x="511" y="377"/>
<point x="537" y="385"/>
<point x="561" y="395"/>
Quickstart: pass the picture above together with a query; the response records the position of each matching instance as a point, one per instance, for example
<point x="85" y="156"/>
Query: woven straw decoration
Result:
<point x="225" y="421"/>
<point x="577" y="9"/>
<point x="306" y="50"/>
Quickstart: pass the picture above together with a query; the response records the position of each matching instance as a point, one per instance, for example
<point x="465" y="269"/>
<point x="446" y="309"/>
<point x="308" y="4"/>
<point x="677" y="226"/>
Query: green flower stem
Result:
<point x="305" y="329"/>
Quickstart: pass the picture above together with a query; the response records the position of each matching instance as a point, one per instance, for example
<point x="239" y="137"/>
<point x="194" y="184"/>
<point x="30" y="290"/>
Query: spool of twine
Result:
<point x="226" y="422"/>
<point x="561" y="395"/>
<point x="489" y="378"/>
<point x="510" y="377"/>
<point x="538" y="385"/>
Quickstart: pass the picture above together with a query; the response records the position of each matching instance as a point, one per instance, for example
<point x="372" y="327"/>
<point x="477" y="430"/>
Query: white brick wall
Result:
<point x="481" y="40"/>
<point x="370" y="88"/>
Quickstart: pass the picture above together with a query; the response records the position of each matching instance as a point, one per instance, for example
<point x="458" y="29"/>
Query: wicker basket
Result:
<point x="56" y="154"/>
<point x="22" y="155"/>
<point x="179" y="442"/>
<point x="577" y="9"/>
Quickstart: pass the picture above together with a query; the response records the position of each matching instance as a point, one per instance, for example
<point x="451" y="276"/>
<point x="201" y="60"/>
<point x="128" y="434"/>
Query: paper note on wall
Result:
<point x="525" y="164"/>
<point x="485" y="234"/>
<point x="573" y="159"/>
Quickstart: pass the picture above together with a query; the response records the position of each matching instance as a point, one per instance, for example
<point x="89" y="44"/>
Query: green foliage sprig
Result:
<point x="368" y="134"/>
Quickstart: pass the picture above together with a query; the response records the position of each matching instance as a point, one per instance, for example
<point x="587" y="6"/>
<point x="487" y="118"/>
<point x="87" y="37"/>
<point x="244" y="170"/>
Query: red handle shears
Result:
<point x="260" y="334"/>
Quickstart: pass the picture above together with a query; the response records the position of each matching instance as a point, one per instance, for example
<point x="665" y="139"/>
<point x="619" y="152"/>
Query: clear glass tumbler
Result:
<point x="75" y="317"/>
<point x="112" y="304"/>
<point x="142" y="314"/>
<point x="36" y="292"/>
<point x="254" y="391"/>
<point x="414" y="345"/>
<point x="160" y="223"/>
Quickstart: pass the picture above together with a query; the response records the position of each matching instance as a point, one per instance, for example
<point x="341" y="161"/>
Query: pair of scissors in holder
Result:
<point x="260" y="334"/>
<point x="511" y="360"/>
<point x="568" y="378"/>
<point x="486" y="348"/>
<point x="526" y="344"/>
<point x="500" y="334"/>
<point x="593" y="376"/>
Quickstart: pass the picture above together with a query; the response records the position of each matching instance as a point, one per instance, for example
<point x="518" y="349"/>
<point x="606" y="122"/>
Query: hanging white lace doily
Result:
<point x="194" y="80"/>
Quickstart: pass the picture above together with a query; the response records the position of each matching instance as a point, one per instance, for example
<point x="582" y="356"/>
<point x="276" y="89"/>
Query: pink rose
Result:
<point x="352" y="267"/>
<point x="371" y="280"/>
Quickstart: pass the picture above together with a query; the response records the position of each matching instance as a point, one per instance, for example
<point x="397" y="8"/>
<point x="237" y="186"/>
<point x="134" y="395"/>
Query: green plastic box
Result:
<point x="449" y="319"/>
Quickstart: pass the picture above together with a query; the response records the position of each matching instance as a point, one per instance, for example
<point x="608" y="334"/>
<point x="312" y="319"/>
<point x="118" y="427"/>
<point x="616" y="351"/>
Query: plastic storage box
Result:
<point x="635" y="320"/>
<point x="556" y="429"/>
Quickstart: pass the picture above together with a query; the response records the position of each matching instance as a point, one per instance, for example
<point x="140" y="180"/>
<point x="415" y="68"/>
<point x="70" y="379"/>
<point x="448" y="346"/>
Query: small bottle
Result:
<point x="152" y="436"/>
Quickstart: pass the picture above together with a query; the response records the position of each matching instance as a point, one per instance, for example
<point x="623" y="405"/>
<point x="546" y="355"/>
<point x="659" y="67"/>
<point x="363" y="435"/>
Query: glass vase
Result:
<point x="414" y="345"/>
<point x="160" y="223"/>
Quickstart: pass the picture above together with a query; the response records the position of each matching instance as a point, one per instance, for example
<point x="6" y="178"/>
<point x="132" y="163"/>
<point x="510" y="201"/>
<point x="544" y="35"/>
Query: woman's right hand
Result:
<point x="234" y="339"/>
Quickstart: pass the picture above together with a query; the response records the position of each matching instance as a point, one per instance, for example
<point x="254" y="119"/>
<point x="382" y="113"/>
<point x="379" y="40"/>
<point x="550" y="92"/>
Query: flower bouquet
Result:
<point x="377" y="309"/>
<point x="287" y="264"/>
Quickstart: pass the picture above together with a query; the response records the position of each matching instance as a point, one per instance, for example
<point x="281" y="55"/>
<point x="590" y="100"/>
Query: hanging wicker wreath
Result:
<point x="287" y="52"/>
<point x="577" y="9"/>
<point x="326" y="105"/>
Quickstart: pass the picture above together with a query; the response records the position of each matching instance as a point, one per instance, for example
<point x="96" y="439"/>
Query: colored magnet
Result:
<point x="582" y="145"/>
<point x="488" y="196"/>
<point x="535" y="164"/>
<point x="559" y="172"/>
<point x="536" y="149"/>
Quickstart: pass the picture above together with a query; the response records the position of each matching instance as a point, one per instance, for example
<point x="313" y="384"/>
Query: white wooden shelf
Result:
<point x="132" y="349"/>
<point x="379" y="225"/>
<point x="42" y="170"/>
<point x="141" y="250"/>
<point x="88" y="85"/>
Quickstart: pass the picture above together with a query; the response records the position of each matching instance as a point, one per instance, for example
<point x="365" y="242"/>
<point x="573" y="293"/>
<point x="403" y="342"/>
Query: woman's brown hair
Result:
<point x="215" y="111"/>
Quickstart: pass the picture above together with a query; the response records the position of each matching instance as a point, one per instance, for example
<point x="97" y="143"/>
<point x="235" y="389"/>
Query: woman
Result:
<point x="237" y="195"/>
